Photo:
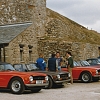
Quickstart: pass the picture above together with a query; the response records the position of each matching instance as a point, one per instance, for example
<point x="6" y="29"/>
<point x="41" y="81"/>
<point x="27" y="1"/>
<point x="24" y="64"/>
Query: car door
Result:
<point x="4" y="76"/>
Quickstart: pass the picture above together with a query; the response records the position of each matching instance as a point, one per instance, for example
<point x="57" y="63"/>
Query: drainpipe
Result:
<point x="0" y="54"/>
<point x="4" y="53"/>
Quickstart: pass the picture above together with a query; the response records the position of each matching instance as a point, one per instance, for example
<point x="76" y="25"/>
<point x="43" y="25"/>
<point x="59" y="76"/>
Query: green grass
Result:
<point x="80" y="33"/>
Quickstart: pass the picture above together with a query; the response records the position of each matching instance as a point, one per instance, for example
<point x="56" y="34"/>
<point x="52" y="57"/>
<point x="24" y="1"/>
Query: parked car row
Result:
<point x="21" y="77"/>
<point x="54" y="78"/>
<point x="83" y="72"/>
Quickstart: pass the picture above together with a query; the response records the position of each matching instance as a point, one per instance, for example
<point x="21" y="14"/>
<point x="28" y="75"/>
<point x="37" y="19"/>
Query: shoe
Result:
<point x="68" y="83"/>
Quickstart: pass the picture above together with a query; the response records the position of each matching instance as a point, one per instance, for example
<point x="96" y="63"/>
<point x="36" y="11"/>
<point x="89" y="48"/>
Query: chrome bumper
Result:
<point x="96" y="76"/>
<point x="35" y="85"/>
<point x="63" y="81"/>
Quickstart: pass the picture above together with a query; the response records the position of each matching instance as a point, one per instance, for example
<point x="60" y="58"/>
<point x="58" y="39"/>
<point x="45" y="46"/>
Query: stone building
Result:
<point x="21" y="22"/>
<point x="28" y="28"/>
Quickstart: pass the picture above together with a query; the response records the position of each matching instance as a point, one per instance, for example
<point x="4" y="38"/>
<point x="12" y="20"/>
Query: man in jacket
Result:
<point x="70" y="64"/>
<point x="40" y="63"/>
<point x="52" y="63"/>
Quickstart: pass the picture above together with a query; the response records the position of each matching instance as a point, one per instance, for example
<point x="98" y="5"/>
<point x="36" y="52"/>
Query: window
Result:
<point x="1" y="67"/>
<point x="30" y="56"/>
<point x="21" y="55"/>
<point x="30" y="52"/>
<point x="21" y="51"/>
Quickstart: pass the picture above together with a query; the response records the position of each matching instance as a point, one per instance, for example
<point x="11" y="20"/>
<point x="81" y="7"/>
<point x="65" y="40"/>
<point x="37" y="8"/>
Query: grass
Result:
<point x="78" y="32"/>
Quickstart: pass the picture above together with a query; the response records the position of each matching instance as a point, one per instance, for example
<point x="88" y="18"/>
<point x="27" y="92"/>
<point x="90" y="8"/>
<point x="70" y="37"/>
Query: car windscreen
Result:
<point x="92" y="61"/>
<point x="32" y="67"/>
<point x="85" y="63"/>
<point x="20" y="67"/>
<point x="9" y="67"/>
<point x="76" y="64"/>
<point x="98" y="60"/>
<point x="6" y="67"/>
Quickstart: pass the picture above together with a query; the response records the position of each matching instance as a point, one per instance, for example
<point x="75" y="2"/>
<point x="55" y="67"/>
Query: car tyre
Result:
<point x="96" y="79"/>
<point x="86" y="77"/>
<point x="35" y="90"/>
<point x="17" y="86"/>
<point x="50" y="83"/>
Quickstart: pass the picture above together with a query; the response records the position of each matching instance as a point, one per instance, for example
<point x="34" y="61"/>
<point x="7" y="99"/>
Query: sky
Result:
<point x="84" y="12"/>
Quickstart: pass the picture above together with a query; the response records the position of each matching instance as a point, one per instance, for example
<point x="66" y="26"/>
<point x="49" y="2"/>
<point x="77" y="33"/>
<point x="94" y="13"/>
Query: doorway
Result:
<point x="99" y="51"/>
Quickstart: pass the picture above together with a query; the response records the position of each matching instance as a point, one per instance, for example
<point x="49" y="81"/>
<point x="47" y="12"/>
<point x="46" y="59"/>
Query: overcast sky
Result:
<point x="84" y="12"/>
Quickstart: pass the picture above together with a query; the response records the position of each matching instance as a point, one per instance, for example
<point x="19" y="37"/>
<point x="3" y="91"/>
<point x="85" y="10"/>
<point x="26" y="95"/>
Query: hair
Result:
<point x="40" y="55"/>
<point x="58" y="52"/>
<point x="53" y="55"/>
<point x="69" y="53"/>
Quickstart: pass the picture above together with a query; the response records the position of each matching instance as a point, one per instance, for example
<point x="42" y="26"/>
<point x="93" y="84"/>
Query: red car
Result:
<point x="17" y="81"/>
<point x="85" y="74"/>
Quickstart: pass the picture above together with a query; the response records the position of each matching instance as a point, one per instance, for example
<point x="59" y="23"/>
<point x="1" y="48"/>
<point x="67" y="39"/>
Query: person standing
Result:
<point x="40" y="63"/>
<point x="52" y="63"/>
<point x="59" y="59"/>
<point x="70" y="64"/>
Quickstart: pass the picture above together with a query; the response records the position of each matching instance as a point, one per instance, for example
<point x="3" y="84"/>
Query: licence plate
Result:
<point x="39" y="81"/>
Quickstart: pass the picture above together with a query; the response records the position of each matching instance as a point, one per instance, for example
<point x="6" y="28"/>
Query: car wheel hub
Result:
<point x="85" y="77"/>
<point x="16" y="86"/>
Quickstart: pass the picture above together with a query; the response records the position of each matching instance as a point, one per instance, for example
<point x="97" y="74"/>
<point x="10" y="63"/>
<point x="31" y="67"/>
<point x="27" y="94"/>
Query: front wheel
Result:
<point x="86" y="77"/>
<point x="17" y="86"/>
<point x="50" y="83"/>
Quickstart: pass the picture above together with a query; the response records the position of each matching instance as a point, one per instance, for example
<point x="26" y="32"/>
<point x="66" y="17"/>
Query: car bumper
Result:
<point x="96" y="76"/>
<point x="36" y="85"/>
<point x="63" y="81"/>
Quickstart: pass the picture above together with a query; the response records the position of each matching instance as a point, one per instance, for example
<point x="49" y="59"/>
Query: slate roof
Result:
<point x="9" y="32"/>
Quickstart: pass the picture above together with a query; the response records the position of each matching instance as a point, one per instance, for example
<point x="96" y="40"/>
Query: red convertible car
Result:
<point x="54" y="78"/>
<point x="17" y="81"/>
<point x="84" y="73"/>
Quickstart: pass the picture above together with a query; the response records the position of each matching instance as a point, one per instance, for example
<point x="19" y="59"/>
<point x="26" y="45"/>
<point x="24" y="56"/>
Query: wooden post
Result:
<point x="0" y="54"/>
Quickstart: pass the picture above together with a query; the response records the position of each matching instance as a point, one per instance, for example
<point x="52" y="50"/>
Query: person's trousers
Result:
<point x="70" y="71"/>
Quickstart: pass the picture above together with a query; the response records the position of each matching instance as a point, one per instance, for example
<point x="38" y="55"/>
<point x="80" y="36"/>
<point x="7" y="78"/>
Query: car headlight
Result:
<point x="31" y="78"/>
<point x="96" y="71"/>
<point x="46" y="78"/>
<point x="58" y="76"/>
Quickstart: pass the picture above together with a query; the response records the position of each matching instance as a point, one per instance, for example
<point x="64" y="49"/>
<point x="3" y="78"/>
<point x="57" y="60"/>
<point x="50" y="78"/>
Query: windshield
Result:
<point x="6" y="67"/>
<point x="93" y="61"/>
<point x="20" y="67"/>
<point x="85" y="63"/>
<point x="76" y="64"/>
<point x="32" y="67"/>
<point x="99" y="60"/>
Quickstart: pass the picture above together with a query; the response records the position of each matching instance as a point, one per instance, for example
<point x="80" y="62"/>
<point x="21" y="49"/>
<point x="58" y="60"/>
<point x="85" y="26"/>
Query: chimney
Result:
<point x="38" y="10"/>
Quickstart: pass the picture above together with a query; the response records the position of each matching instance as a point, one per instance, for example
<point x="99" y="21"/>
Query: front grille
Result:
<point x="64" y="76"/>
<point x="39" y="78"/>
<point x="99" y="71"/>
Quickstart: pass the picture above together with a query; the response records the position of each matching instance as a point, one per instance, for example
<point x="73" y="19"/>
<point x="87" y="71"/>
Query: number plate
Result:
<point x="39" y="81"/>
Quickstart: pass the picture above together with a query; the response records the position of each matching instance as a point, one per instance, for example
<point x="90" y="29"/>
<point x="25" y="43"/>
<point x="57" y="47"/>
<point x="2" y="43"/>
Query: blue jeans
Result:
<point x="59" y="68"/>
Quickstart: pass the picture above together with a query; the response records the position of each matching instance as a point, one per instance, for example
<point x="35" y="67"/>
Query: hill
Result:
<point x="61" y="28"/>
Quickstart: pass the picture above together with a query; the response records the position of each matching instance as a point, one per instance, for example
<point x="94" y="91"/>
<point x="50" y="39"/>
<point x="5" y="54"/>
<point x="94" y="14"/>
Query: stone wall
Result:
<point x="80" y="51"/>
<point x="19" y="11"/>
<point x="57" y="33"/>
<point x="14" y="11"/>
<point x="25" y="38"/>
<point x="64" y="35"/>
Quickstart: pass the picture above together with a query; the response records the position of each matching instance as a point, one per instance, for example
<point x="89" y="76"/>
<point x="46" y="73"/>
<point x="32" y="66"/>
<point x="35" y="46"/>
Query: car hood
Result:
<point x="88" y="67"/>
<point x="25" y="73"/>
<point x="51" y="72"/>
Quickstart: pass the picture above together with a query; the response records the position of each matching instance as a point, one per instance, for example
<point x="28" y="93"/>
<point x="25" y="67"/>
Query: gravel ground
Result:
<point x="77" y="91"/>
